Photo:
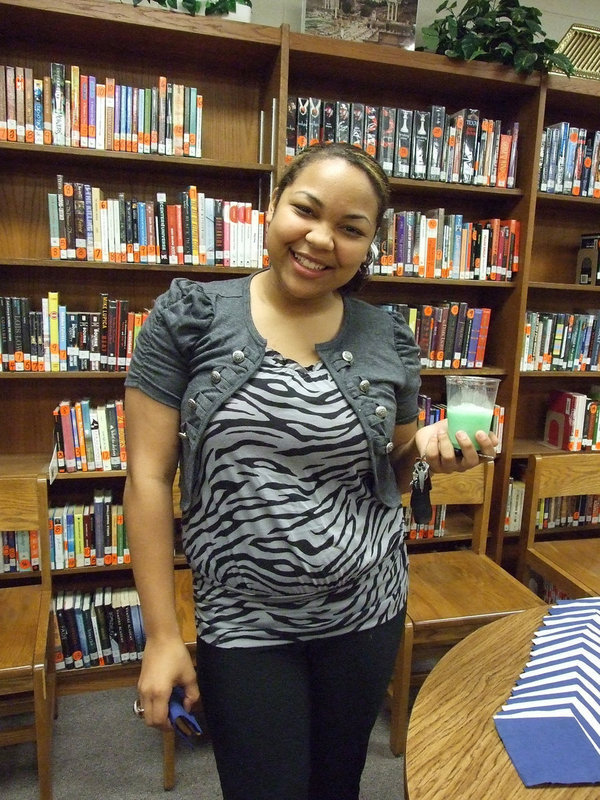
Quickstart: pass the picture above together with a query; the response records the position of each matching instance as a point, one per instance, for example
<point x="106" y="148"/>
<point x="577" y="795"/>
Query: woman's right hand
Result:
<point x="166" y="663"/>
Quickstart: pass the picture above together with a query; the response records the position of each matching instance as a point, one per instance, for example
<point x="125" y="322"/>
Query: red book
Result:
<point x="67" y="435"/>
<point x="504" y="149"/>
<point x="172" y="233"/>
<point x="564" y="420"/>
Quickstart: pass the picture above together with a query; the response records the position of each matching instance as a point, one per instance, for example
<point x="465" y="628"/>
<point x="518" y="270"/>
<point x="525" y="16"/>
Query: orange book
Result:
<point x="482" y="337"/>
<point x="109" y="90"/>
<point x="504" y="149"/>
<point x="431" y="247"/>
<point x="81" y="436"/>
<point x="120" y="409"/>
<point x="178" y="118"/>
<point x="83" y="110"/>
<point x="2" y="103"/>
<point x="34" y="549"/>
<point x="47" y="109"/>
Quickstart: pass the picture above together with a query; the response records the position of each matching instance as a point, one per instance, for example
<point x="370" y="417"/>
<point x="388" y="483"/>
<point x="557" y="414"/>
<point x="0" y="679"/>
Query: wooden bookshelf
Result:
<point x="246" y="72"/>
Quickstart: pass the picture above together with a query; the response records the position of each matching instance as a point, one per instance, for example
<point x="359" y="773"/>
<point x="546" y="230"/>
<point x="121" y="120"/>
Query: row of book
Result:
<point x="191" y="229"/>
<point x="433" y="244"/>
<point x="55" y="339"/>
<point x="570" y="160"/>
<point x="561" y="341"/>
<point x="452" y="335"/>
<point x="568" y="512"/>
<point x="571" y="511"/>
<point x="99" y="628"/>
<point x="90" y="437"/>
<point x="20" y="551"/>
<point x="572" y="420"/>
<point x="430" y="144"/>
<point x="70" y="108"/>
<point x="434" y="528"/>
<point x="88" y="535"/>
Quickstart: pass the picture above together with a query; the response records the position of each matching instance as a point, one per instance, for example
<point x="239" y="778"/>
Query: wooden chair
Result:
<point x="568" y="559"/>
<point x="27" y="666"/>
<point x="451" y="592"/>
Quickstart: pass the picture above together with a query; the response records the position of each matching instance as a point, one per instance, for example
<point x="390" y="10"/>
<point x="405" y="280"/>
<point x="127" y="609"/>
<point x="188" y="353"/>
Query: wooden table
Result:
<point x="453" y="751"/>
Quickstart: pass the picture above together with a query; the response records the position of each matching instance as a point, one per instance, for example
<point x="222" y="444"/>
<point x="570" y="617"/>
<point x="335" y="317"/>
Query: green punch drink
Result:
<point x="470" y="404"/>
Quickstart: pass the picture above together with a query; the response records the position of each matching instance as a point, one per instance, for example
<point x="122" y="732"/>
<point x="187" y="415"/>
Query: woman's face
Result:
<point x="321" y="228"/>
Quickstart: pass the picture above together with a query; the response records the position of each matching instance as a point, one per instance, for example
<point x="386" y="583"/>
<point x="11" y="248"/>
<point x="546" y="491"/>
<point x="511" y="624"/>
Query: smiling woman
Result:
<point x="291" y="408"/>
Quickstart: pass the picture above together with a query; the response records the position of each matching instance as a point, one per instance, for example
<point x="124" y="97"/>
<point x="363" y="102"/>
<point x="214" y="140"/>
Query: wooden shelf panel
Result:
<point x="93" y="679"/>
<point x="72" y="155"/>
<point x="523" y="448"/>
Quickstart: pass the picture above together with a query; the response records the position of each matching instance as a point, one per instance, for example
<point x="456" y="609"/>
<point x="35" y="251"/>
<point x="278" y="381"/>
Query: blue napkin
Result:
<point x="550" y="724"/>
<point x="184" y="723"/>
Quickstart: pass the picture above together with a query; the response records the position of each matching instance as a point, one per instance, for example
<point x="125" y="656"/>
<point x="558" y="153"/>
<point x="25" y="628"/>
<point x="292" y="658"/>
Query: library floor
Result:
<point x="101" y="750"/>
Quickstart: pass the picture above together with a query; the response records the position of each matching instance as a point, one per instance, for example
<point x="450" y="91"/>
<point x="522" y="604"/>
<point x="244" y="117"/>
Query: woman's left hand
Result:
<point x="435" y="445"/>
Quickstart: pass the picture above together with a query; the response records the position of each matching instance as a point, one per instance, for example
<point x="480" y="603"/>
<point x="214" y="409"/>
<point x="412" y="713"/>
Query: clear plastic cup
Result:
<point x="470" y="404"/>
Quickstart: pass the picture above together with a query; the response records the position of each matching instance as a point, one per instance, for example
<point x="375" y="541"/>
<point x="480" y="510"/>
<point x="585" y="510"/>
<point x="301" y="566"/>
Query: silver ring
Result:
<point x="138" y="710"/>
<point x="486" y="458"/>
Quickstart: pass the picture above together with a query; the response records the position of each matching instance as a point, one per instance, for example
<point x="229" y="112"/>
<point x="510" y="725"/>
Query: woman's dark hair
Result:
<point x="358" y="158"/>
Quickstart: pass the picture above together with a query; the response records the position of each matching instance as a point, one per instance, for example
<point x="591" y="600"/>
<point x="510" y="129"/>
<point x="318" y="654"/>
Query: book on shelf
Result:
<point x="97" y="628"/>
<point x="3" y="136"/>
<point x="118" y="229"/>
<point x="419" y="145"/>
<point x="371" y="130"/>
<point x="434" y="244"/>
<point x="357" y="124"/>
<point x="70" y="108"/>
<point x="20" y="551"/>
<point x="436" y="142"/>
<point x="565" y="417"/>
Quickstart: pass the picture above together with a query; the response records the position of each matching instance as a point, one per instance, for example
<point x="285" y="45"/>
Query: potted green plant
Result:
<point x="502" y="31"/>
<point x="233" y="9"/>
<point x="192" y="7"/>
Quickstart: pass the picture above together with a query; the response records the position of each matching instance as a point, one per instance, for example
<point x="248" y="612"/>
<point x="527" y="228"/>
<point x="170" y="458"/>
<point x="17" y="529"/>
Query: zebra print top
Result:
<point x="284" y="534"/>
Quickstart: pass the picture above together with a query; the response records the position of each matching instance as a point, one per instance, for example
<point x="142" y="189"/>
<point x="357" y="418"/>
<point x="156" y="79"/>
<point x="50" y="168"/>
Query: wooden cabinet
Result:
<point x="245" y="73"/>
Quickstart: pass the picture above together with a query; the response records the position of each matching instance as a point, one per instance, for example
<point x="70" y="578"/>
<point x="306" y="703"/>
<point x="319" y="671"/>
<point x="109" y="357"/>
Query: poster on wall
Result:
<point x="390" y="22"/>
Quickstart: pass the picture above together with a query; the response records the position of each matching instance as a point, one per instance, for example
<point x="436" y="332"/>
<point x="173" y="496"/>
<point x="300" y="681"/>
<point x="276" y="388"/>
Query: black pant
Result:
<point x="292" y="722"/>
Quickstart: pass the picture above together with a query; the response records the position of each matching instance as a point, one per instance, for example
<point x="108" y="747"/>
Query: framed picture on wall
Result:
<point x="390" y="22"/>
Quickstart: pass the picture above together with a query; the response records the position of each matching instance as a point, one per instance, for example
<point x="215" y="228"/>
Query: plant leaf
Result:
<point x="562" y="62"/>
<point x="525" y="61"/>
<point x="431" y="38"/>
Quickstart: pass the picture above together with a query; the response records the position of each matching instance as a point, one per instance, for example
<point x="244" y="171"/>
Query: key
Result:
<point x="420" y="485"/>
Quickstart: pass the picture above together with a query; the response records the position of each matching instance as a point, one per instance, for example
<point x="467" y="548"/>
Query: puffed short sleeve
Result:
<point x="407" y="409"/>
<point x="159" y="364"/>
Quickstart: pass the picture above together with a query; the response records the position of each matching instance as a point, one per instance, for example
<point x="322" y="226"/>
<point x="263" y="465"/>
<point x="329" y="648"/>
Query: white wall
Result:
<point x="557" y="15"/>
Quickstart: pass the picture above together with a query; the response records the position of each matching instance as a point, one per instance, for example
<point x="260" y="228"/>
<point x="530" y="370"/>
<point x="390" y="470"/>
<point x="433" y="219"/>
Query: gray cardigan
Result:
<point x="199" y="345"/>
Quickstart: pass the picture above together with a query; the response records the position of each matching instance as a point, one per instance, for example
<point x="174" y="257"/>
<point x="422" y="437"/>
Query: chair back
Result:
<point x="470" y="488"/>
<point x="556" y="475"/>
<point x="24" y="506"/>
